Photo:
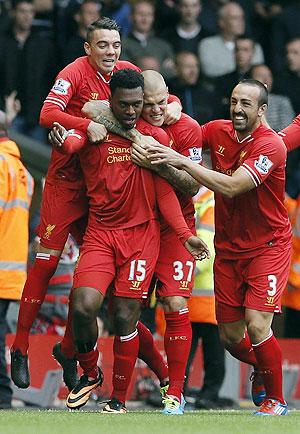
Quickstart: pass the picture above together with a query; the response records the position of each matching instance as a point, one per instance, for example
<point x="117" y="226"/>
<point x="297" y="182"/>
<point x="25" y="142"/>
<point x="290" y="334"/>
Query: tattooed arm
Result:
<point x="179" y="179"/>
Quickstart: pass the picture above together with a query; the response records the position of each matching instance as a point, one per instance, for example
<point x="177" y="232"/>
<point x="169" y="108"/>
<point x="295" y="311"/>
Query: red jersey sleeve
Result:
<point x="268" y="154"/>
<point x="170" y="208"/>
<point x="66" y="86"/>
<point x="187" y="137"/>
<point x="291" y="134"/>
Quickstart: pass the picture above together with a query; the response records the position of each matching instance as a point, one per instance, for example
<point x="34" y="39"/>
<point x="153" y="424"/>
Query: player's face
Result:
<point x="244" y="109"/>
<point x="104" y="50"/>
<point x="155" y="106"/>
<point x="126" y="105"/>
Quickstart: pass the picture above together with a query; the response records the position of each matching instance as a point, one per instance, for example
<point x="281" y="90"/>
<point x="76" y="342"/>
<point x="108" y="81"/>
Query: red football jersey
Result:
<point x="76" y="84"/>
<point x="186" y="135"/>
<point x="291" y="134"/>
<point x="253" y="220"/>
<point x="122" y="194"/>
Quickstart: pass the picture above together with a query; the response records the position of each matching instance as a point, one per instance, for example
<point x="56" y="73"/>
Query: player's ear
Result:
<point x="87" y="48"/>
<point x="262" y="110"/>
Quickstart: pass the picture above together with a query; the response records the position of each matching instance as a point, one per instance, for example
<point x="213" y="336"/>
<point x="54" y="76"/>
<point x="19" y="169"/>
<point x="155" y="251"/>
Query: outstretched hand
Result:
<point x="160" y="154"/>
<point x="197" y="248"/>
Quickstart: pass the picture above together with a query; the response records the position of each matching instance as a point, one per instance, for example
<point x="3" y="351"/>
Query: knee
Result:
<point x="229" y="338"/>
<point x="173" y="304"/>
<point x="83" y="310"/>
<point x="125" y="318"/>
<point x="257" y="331"/>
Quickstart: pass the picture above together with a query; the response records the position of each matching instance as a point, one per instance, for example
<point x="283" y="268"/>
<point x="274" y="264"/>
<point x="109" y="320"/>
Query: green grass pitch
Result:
<point x="147" y="422"/>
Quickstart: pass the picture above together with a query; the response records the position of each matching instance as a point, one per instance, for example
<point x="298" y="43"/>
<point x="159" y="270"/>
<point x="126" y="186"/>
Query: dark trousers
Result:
<point x="5" y="389"/>
<point x="213" y="357"/>
<point x="291" y="323"/>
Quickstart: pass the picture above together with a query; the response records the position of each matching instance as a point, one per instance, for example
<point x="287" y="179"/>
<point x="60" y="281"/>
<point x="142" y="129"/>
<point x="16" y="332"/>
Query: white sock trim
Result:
<point x="266" y="339"/>
<point x="129" y="337"/>
<point x="45" y="256"/>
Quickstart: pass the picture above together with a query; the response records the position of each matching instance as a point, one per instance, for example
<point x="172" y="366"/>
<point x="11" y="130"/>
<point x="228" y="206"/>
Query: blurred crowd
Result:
<point x="202" y="47"/>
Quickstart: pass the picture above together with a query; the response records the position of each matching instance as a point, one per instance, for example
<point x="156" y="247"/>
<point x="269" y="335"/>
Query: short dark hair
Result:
<point x="104" y="23"/>
<point x="245" y="37"/>
<point x="263" y="97"/>
<point x="126" y="79"/>
<point x="15" y="3"/>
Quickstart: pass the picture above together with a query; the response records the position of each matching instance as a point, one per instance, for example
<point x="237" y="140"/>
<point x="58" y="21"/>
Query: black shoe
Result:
<point x="19" y="369"/>
<point x="206" y="404"/>
<point x="5" y="405"/>
<point x="69" y="366"/>
<point x="79" y="396"/>
<point x="114" y="406"/>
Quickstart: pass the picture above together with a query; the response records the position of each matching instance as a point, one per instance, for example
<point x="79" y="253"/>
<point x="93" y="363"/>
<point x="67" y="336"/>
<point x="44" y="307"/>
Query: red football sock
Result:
<point x="125" y="354"/>
<point x="178" y="337"/>
<point x="244" y="351"/>
<point x="269" y="358"/>
<point x="88" y="362"/>
<point x="149" y="353"/>
<point x="33" y="296"/>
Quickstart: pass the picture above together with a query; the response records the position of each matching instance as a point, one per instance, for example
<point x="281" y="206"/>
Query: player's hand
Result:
<point x="57" y="135"/>
<point x="96" y="132"/>
<point x="197" y="248"/>
<point x="139" y="150"/>
<point x="173" y="113"/>
<point x="160" y="154"/>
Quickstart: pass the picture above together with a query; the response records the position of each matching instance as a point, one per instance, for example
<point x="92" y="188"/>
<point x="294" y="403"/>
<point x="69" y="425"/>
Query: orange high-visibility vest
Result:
<point x="291" y="296"/>
<point x="202" y="303"/>
<point x="16" y="188"/>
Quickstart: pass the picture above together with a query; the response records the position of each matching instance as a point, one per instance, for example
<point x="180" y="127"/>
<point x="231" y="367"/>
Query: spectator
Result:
<point x="286" y="27"/>
<point x="15" y="198"/>
<point x="188" y="32"/>
<point x="288" y="82"/>
<point x="141" y="41"/>
<point x="88" y="12"/>
<point x="27" y="65"/>
<point x="148" y="62"/>
<point x="118" y="10"/>
<point x="197" y="99"/>
<point x="202" y="309"/>
<point x="280" y="110"/>
<point x="291" y="296"/>
<point x="244" y="57"/>
<point x="217" y="52"/>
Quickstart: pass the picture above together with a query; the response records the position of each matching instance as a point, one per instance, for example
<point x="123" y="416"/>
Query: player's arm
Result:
<point x="179" y="179"/>
<point x="174" y="109"/>
<point x="171" y="211"/>
<point x="291" y="134"/>
<point x="229" y="186"/>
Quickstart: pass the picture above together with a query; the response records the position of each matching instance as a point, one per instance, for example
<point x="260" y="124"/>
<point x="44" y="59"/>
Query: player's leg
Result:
<point x="60" y="208"/>
<point x="125" y="314"/>
<point x="136" y="255"/>
<point x="94" y="273"/>
<point x="230" y="293"/>
<point x="149" y="353"/>
<point x="175" y="270"/>
<point x="267" y="276"/>
<point x="194" y="345"/>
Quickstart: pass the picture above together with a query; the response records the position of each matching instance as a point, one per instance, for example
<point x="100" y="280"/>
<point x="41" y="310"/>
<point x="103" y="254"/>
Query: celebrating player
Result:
<point x="253" y="233"/>
<point x="64" y="203"/>
<point x="175" y="268"/>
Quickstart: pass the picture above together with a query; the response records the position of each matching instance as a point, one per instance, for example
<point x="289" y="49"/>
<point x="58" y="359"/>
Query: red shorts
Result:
<point x="63" y="211"/>
<point x="127" y="256"/>
<point x="254" y="283"/>
<point x="175" y="266"/>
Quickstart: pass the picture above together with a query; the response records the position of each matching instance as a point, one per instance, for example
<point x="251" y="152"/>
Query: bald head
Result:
<point x="155" y="98"/>
<point x="154" y="82"/>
